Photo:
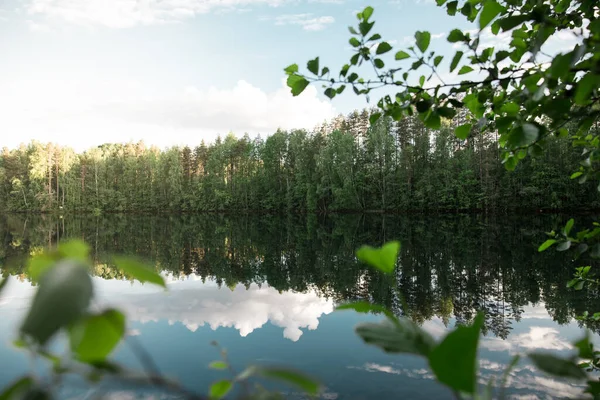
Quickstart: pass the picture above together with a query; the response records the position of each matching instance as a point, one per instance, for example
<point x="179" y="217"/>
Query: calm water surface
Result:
<point x="266" y="288"/>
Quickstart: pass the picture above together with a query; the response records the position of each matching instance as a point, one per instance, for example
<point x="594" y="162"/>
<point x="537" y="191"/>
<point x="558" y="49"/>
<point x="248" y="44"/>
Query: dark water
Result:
<point x="266" y="287"/>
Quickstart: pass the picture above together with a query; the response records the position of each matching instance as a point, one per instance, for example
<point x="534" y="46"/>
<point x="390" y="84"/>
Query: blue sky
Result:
<point x="171" y="72"/>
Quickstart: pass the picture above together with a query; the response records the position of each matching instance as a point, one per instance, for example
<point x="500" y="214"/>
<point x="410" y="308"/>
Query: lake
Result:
<point x="265" y="288"/>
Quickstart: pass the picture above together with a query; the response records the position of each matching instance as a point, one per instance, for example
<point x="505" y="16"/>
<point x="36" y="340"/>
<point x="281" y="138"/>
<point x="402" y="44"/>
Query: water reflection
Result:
<point x="266" y="287"/>
<point x="195" y="304"/>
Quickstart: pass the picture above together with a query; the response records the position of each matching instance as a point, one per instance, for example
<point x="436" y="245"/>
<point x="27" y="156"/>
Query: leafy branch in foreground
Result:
<point x="453" y="359"/>
<point x="521" y="92"/>
<point x="61" y="306"/>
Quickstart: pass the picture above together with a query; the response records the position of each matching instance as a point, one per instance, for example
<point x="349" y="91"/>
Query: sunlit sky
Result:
<point x="173" y="72"/>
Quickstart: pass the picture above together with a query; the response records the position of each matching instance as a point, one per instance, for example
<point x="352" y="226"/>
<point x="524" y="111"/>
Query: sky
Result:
<point x="175" y="72"/>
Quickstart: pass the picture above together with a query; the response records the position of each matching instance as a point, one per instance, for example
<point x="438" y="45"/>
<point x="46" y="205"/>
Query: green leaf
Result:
<point x="218" y="365"/>
<point x="576" y="174"/>
<point x="510" y="22"/>
<point x="466" y="9"/>
<point x="463" y="131"/>
<point x="313" y="66"/>
<point x="446" y="112"/>
<point x="367" y="12"/>
<point x="465" y="69"/>
<point x="456" y="35"/>
<point x="62" y="298"/>
<point x="546" y="244"/>
<point x="510" y="108"/>
<point x="297" y="83"/>
<point x="74" y="249"/>
<point x="511" y="163"/>
<point x="556" y="366"/>
<point x="490" y="10"/>
<point x="437" y="60"/>
<point x="451" y="7"/>
<point x="383" y="258"/>
<point x="523" y="135"/>
<point x="454" y="360"/>
<point x="19" y="389"/>
<point x="560" y="65"/>
<point x="383" y="48"/>
<point x="585" y="347"/>
<point x="563" y="246"/>
<point x="376" y="36"/>
<point x="95" y="337"/>
<point x="423" y="106"/>
<point x="402" y="336"/>
<point x="373" y="118"/>
<point x="138" y="270"/>
<point x="402" y="55"/>
<point x="585" y="87"/>
<point x="433" y="121"/>
<point x="378" y="63"/>
<point x="562" y="6"/>
<point x="455" y="60"/>
<point x="423" y="40"/>
<point x="39" y="264"/>
<point x="354" y="42"/>
<point x="569" y="226"/>
<point x="330" y="92"/>
<point x="219" y="389"/>
<point x="365" y="27"/>
<point x="292" y="69"/>
<point x="290" y="376"/>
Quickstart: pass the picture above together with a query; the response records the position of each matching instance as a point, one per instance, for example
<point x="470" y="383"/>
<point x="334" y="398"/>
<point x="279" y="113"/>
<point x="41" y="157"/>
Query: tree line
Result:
<point x="346" y="164"/>
<point x="447" y="266"/>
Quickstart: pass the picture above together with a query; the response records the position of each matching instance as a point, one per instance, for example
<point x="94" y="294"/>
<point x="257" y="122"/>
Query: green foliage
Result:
<point x="460" y="346"/>
<point x="219" y="389"/>
<point x="454" y="359"/>
<point x="546" y="245"/>
<point x="397" y="336"/>
<point x="76" y="250"/>
<point x="94" y="337"/>
<point x="423" y="39"/>
<point x="218" y="365"/>
<point x="525" y="101"/>
<point x="23" y="388"/>
<point x="289" y="376"/>
<point x="138" y="270"/>
<point x="557" y="366"/>
<point x="383" y="258"/>
<point x="361" y="161"/>
<point x="64" y="294"/>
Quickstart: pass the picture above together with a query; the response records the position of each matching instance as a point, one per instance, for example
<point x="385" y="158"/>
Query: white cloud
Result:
<point x="195" y="304"/>
<point x="37" y="27"/>
<point x="539" y="338"/>
<point x="308" y="22"/>
<point x="80" y="115"/>
<point x="127" y="13"/>
<point x="420" y="373"/>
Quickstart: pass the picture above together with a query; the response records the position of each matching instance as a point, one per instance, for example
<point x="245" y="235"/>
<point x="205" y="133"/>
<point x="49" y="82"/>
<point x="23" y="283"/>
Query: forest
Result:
<point x="346" y="164"/>
<point x="449" y="266"/>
